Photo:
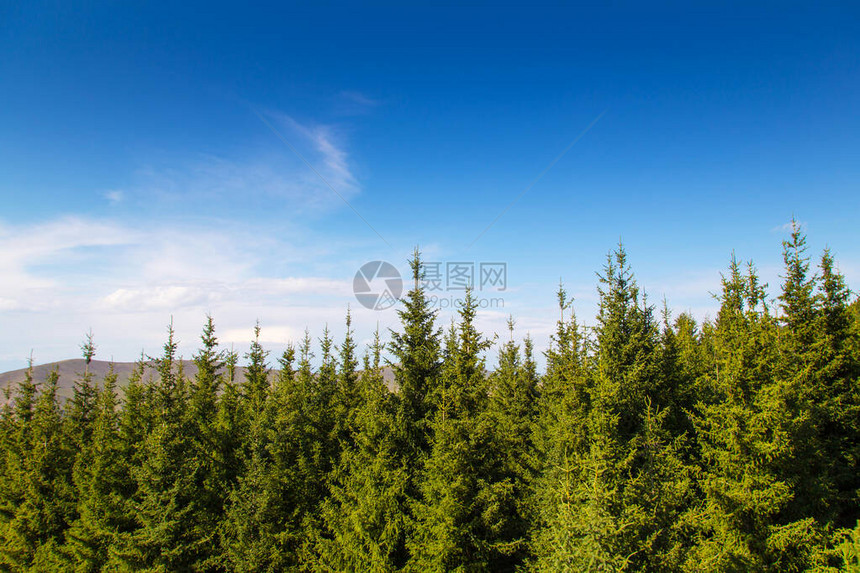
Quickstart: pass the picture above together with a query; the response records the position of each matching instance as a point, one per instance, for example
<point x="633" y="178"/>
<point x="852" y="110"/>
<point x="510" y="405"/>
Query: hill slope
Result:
<point x="71" y="370"/>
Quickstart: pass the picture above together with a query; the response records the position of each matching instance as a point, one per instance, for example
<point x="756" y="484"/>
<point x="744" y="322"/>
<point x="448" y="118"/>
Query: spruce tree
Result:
<point x="512" y="414"/>
<point x="276" y="494"/>
<point x="208" y="464"/>
<point x="797" y="389"/>
<point x="228" y="425"/>
<point x="364" y="512"/>
<point x="170" y="536"/>
<point x="416" y="367"/>
<point x="745" y="438"/>
<point x="135" y="422"/>
<point x="838" y="408"/>
<point x="81" y="410"/>
<point x="619" y="498"/>
<point x="103" y="507"/>
<point x="34" y="536"/>
<point x="460" y="519"/>
<point x="347" y="396"/>
<point x="17" y="446"/>
<point x="252" y="525"/>
<point x="560" y="440"/>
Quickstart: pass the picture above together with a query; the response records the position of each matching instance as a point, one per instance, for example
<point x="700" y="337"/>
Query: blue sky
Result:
<point x="140" y="179"/>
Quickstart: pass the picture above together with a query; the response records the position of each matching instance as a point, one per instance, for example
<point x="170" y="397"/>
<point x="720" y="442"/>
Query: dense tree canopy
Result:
<point x="648" y="444"/>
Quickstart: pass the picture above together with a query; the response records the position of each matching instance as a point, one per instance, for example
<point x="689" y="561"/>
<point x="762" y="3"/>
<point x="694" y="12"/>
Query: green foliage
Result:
<point x="647" y="444"/>
<point x="416" y="367"/>
<point x="615" y="486"/>
<point x="363" y="514"/>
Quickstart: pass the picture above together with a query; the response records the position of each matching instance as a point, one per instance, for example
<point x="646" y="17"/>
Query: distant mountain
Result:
<point x="71" y="370"/>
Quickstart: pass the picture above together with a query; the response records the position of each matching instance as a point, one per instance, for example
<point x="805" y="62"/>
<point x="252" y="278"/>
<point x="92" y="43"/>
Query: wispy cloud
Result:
<point x="64" y="276"/>
<point x="351" y="102"/>
<point x="787" y="227"/>
<point x="271" y="175"/>
<point x="160" y="297"/>
<point x="115" y="196"/>
<point x="326" y="141"/>
<point x="28" y="252"/>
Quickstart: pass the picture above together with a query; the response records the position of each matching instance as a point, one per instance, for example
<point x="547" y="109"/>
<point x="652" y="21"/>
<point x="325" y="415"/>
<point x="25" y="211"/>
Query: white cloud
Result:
<point x="787" y="227"/>
<point x="299" y="285"/>
<point x="26" y="252"/>
<point x="329" y="157"/>
<point x="281" y="334"/>
<point x="64" y="276"/>
<point x="161" y="297"/>
<point x="354" y="103"/>
<point x="358" y="98"/>
<point x="271" y="175"/>
<point x="114" y="196"/>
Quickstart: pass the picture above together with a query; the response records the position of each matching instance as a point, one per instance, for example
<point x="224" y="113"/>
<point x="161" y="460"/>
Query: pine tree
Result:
<point x="103" y="507"/>
<point x="560" y="439"/>
<point x="364" y="512"/>
<point x="619" y="499"/>
<point x="170" y="535"/>
<point x="745" y="438"/>
<point x="33" y="537"/>
<point x="416" y="367"/>
<point x="512" y="414"/>
<point x="457" y="518"/>
<point x="838" y="412"/>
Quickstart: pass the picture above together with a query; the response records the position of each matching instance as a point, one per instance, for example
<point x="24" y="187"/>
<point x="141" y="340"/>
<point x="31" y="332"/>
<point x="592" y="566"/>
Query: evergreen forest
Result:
<point x="649" y="442"/>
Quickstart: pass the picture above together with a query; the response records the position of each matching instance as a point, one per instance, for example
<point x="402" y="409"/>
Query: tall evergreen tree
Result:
<point x="796" y="388"/>
<point x="33" y="538"/>
<point x="81" y="409"/>
<point x="170" y="536"/>
<point x="363" y="514"/>
<point x="416" y="366"/>
<point x="208" y="464"/>
<point x="745" y="438"/>
<point x="560" y="439"/>
<point x="838" y="408"/>
<point x="17" y="445"/>
<point x="348" y="393"/>
<point x="259" y="534"/>
<point x="103" y="506"/>
<point x="461" y="517"/>
<point x="512" y="415"/>
<point x="623" y="494"/>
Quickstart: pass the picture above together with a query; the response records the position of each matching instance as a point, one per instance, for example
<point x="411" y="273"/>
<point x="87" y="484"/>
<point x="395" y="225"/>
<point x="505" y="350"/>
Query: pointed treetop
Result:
<point x="417" y="268"/>
<point x="88" y="347"/>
